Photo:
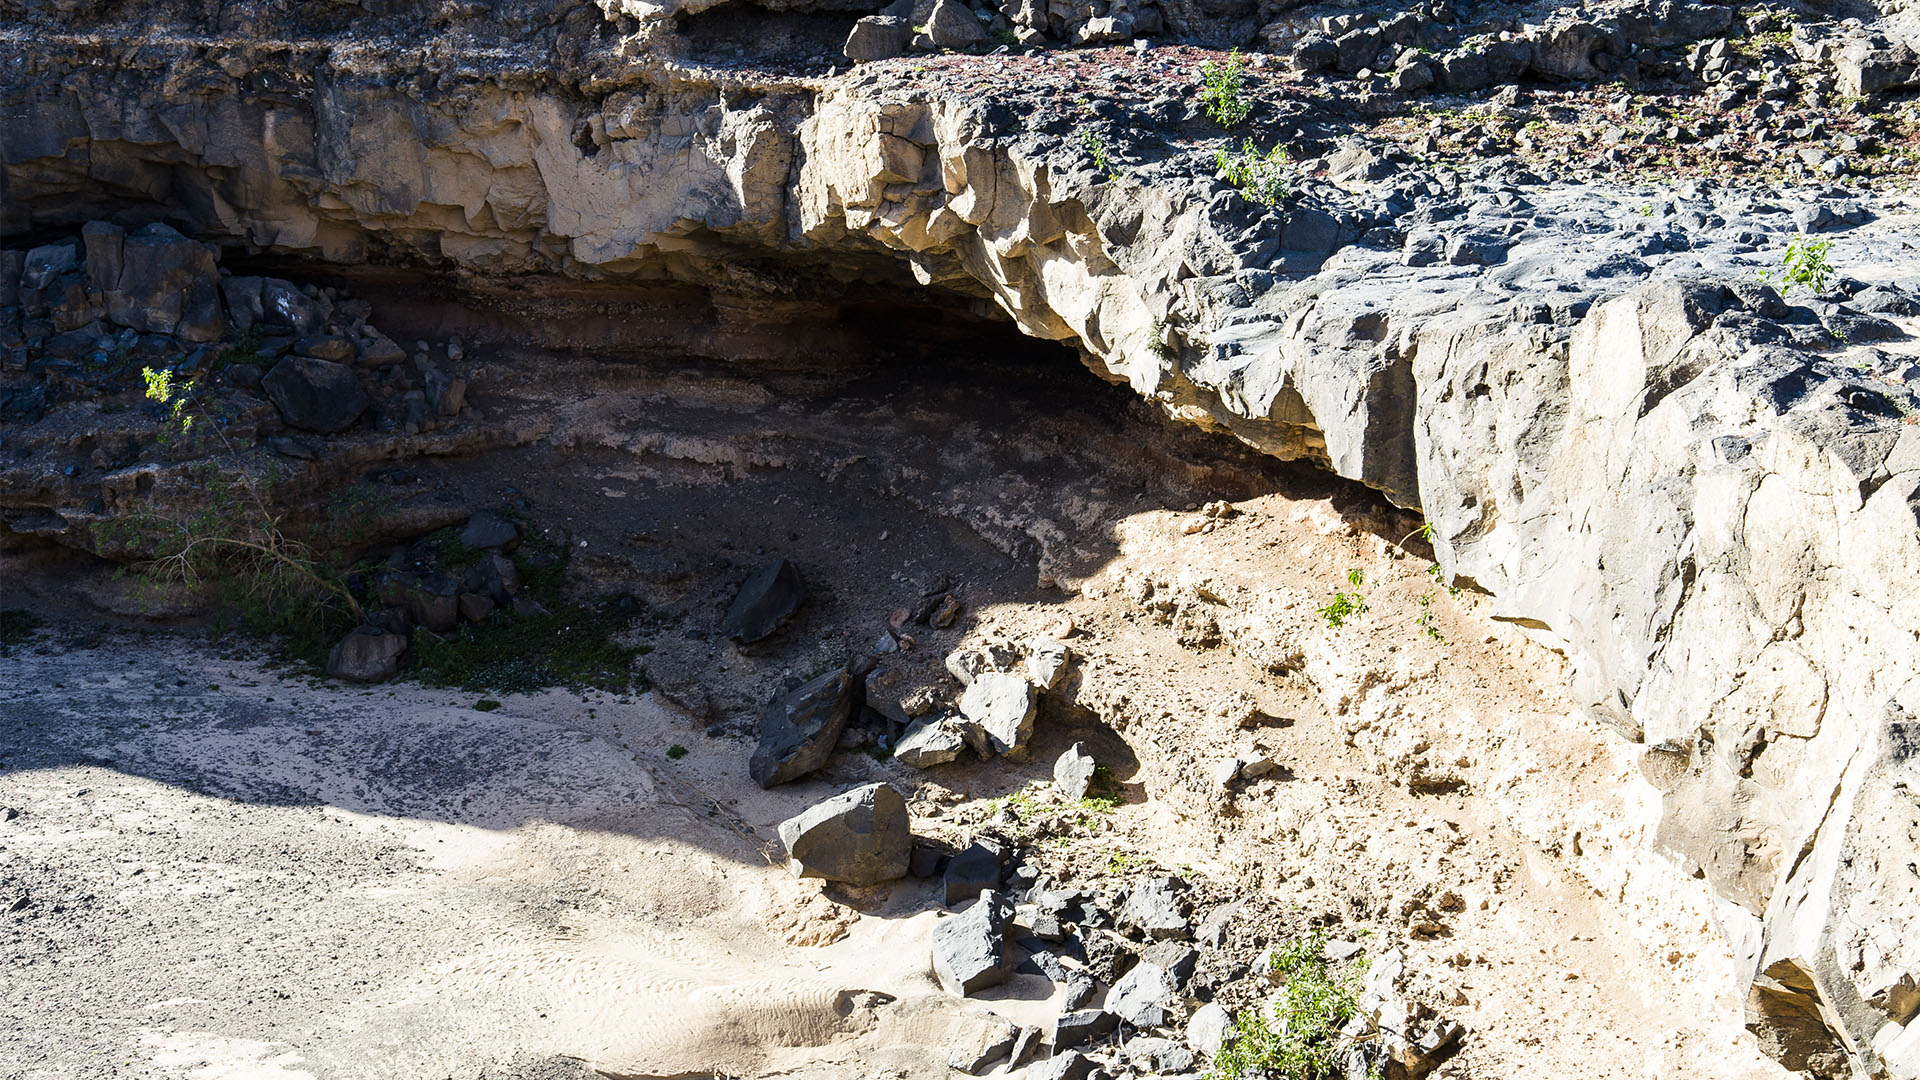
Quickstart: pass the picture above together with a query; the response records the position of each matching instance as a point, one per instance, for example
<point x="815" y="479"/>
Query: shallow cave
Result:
<point x="739" y="31"/>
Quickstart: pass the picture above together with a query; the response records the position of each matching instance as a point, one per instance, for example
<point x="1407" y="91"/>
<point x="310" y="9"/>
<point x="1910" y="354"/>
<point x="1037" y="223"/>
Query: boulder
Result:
<point x="1157" y="1057"/>
<point x="970" y="949"/>
<point x="966" y="663"/>
<point x="368" y="654"/>
<point x="1155" y="906"/>
<point x="1177" y="959"/>
<point x="435" y="605"/>
<point x="167" y="284"/>
<point x="495" y="576"/>
<point x="983" y="1044"/>
<point x="1567" y="52"/>
<point x="283" y="307"/>
<point x="475" y="607"/>
<point x="973" y="871"/>
<point x="1046" y="661"/>
<point x="1071" y="1065"/>
<point x="1357" y="163"/>
<point x="1356" y="49"/>
<point x="377" y="349"/>
<point x="1208" y="1028"/>
<point x="488" y="530"/>
<point x="860" y="837"/>
<point x="765" y="602"/>
<point x="1313" y="53"/>
<point x="242" y="294"/>
<point x="315" y="395"/>
<point x="1873" y="65"/>
<point x="74" y="305"/>
<point x="1082" y="1026"/>
<point x="1139" y="997"/>
<point x="798" y="729"/>
<point x="953" y="25"/>
<point x="878" y="37"/>
<point x="326" y="347"/>
<point x="44" y="263"/>
<point x="1411" y="77"/>
<point x="1074" y="771"/>
<point x="1003" y="706"/>
<point x="930" y="741"/>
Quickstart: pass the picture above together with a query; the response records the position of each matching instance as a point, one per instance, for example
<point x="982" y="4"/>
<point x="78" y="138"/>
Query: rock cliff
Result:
<point x="1707" y="494"/>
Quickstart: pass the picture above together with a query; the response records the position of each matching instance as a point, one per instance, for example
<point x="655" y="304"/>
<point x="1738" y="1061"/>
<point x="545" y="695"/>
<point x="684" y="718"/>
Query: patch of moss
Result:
<point x="570" y="645"/>
<point x="17" y="627"/>
<point x="450" y="553"/>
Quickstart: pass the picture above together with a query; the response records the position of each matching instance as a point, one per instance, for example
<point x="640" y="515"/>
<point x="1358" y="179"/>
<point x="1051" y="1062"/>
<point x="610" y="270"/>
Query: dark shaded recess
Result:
<point x="740" y="30"/>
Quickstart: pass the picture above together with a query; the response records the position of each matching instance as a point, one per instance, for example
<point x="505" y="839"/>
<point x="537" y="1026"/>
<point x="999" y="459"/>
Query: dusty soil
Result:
<point x="214" y="870"/>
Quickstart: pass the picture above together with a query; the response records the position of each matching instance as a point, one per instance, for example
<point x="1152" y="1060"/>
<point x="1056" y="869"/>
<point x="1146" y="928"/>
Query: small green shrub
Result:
<point x="233" y="537"/>
<point x="1805" y="264"/>
<point x="1426" y="618"/>
<point x="1096" y="147"/>
<point x="1303" y="1041"/>
<point x="485" y="705"/>
<point x="244" y="350"/>
<point x="676" y="752"/>
<point x="1260" y="178"/>
<point x="1020" y="804"/>
<point x="1223" y="92"/>
<point x="1346" y="605"/>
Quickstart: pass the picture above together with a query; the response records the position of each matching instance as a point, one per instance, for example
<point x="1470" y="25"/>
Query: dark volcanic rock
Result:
<point x="315" y="395"/>
<point x="368" y="654"/>
<point x="878" y="37"/>
<point x="767" y="600"/>
<point x="486" y="529"/>
<point x="861" y="837"/>
<point x="1074" y="771"/>
<point x="970" y="949"/>
<point x="972" y="870"/>
<point x="167" y="284"/>
<point x="953" y="26"/>
<point x="1072" y="1065"/>
<point x="1155" y="906"/>
<point x="1082" y="1027"/>
<point x="798" y="730"/>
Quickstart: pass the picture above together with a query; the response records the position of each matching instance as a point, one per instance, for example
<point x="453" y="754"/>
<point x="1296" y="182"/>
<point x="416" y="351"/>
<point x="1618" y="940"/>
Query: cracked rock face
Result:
<point x="1677" y="476"/>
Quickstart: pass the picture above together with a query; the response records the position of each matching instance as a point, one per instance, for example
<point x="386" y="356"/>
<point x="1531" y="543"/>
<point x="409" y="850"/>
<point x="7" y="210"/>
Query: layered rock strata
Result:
<point x="1707" y="496"/>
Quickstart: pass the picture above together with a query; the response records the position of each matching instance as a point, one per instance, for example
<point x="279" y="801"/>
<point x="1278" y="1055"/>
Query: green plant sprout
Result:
<point x="1223" y="93"/>
<point x="1259" y="178"/>
<point x="1302" y="1040"/>
<point x="1096" y="147"/>
<point x="1346" y="605"/>
<point x="1805" y="264"/>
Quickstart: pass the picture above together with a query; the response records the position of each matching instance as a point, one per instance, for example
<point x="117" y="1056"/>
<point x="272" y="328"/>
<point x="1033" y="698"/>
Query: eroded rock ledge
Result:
<point x="1653" y="462"/>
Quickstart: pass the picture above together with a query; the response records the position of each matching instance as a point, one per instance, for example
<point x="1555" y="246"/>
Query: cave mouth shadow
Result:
<point x="954" y="359"/>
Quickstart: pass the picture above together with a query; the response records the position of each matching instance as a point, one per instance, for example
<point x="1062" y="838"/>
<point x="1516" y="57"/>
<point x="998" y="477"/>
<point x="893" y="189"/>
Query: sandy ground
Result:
<point x="210" y="872"/>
